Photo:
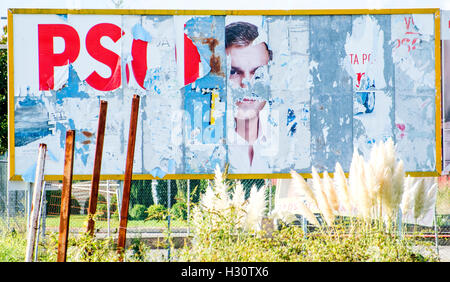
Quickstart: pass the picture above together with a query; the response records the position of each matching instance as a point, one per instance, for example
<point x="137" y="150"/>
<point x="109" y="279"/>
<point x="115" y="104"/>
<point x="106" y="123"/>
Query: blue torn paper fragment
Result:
<point x="30" y="173"/>
<point x="157" y="172"/>
<point x="52" y="156"/>
<point x="290" y="116"/>
<point x="63" y="17"/>
<point x="171" y="166"/>
<point x="139" y="33"/>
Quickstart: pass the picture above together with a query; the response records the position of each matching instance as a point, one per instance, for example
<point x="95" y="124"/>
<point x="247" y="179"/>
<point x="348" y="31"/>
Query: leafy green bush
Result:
<point x="54" y="203"/>
<point x="102" y="200"/>
<point x="12" y="244"/>
<point x="102" y="211"/>
<point x="157" y="212"/>
<point x="138" y="212"/>
<point x="219" y="237"/>
<point x="179" y="210"/>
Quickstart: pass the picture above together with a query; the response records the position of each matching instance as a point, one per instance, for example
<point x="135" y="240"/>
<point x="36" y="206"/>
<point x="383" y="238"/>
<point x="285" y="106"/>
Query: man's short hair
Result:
<point x="242" y="34"/>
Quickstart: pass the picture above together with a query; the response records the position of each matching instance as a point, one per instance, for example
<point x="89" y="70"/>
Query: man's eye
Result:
<point x="234" y="71"/>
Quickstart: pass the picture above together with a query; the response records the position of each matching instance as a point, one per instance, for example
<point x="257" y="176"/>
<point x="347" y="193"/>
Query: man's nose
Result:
<point x="246" y="79"/>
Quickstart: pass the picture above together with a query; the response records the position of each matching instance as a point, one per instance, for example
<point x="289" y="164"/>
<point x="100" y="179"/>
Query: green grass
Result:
<point x="79" y="221"/>
<point x="12" y="246"/>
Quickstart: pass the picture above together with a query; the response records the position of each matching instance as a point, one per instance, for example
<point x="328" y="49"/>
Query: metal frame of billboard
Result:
<point x="437" y="44"/>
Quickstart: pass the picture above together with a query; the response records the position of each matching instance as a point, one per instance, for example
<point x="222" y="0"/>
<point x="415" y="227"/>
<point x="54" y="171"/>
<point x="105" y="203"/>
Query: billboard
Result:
<point x="446" y="90"/>
<point x="262" y="91"/>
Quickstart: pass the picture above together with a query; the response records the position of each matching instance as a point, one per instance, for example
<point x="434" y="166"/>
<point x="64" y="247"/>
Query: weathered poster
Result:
<point x="446" y="90"/>
<point x="262" y="93"/>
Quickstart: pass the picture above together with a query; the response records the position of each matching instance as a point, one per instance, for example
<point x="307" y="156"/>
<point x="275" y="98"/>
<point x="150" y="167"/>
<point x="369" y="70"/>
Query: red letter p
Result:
<point x="47" y="58"/>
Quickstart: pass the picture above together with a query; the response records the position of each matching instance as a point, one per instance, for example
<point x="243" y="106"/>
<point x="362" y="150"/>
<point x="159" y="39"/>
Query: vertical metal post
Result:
<point x="400" y="223"/>
<point x="29" y="200"/>
<point x="44" y="211"/>
<point x="41" y="207"/>
<point x="128" y="175"/>
<point x="33" y="218"/>
<point x="7" y="205"/>
<point x="270" y="194"/>
<point x="93" y="197"/>
<point x="305" y="226"/>
<point x="436" y="231"/>
<point x="154" y="193"/>
<point x="65" y="196"/>
<point x="188" y="206"/>
<point x="168" y="218"/>
<point x="119" y="192"/>
<point x="108" y="208"/>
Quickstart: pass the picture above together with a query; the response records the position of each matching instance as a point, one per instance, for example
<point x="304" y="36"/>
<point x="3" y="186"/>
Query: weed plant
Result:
<point x="354" y="220"/>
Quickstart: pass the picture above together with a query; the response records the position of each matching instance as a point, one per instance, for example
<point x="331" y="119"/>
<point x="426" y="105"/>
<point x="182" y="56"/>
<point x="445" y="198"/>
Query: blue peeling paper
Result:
<point x="140" y="33"/>
<point x="30" y="173"/>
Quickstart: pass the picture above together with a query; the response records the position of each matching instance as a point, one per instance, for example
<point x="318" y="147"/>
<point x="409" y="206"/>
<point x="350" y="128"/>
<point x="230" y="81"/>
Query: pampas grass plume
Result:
<point x="330" y="192"/>
<point x="342" y="188"/>
<point x="419" y="199"/>
<point x="299" y="182"/>
<point x="322" y="199"/>
<point x="255" y="208"/>
<point x="308" y="214"/>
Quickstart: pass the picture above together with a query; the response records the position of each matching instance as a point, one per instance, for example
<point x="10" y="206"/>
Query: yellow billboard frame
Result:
<point x="12" y="11"/>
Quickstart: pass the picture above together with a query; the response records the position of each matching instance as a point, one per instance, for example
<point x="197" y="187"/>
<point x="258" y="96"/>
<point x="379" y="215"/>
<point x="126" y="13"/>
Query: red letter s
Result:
<point x="105" y="56"/>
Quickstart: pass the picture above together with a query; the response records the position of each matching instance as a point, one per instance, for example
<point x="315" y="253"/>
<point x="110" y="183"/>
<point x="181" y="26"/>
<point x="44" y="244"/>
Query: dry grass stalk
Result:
<point x="407" y="202"/>
<point x="419" y="199"/>
<point x="398" y="180"/>
<point x="239" y="203"/>
<point x="342" y="188"/>
<point x="430" y="197"/>
<point x="330" y="192"/>
<point x="387" y="207"/>
<point x="255" y="208"/>
<point x="360" y="192"/>
<point x="372" y="186"/>
<point x="222" y="204"/>
<point x="322" y="199"/>
<point x="299" y="182"/>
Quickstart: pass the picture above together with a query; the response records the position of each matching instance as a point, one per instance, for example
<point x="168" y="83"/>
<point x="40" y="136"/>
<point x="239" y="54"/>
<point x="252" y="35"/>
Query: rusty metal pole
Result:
<point x="65" y="196"/>
<point x="128" y="175"/>
<point x="93" y="197"/>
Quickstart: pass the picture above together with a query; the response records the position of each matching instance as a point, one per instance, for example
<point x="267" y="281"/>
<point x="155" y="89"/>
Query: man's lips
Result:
<point x="248" y="100"/>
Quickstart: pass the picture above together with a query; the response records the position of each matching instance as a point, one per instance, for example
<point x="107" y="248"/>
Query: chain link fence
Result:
<point x="155" y="208"/>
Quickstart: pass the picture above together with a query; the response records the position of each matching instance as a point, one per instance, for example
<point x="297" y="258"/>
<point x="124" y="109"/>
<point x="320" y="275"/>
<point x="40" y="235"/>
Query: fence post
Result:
<point x="399" y="223"/>
<point x="108" y="209"/>
<point x="154" y="193"/>
<point x="168" y="218"/>
<point x="188" y="206"/>
<point x="34" y="215"/>
<point x="44" y="210"/>
<point x="128" y="176"/>
<point x="65" y="196"/>
<point x="436" y="231"/>
<point x="41" y="207"/>
<point x="269" y="186"/>
<point x="93" y="197"/>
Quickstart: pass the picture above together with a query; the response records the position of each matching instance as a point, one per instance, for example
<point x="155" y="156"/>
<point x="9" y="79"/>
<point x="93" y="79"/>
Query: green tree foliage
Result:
<point x="3" y="95"/>
<point x="141" y="193"/>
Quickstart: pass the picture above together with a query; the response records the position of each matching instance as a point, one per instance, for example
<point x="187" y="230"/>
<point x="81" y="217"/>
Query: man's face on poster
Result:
<point x="245" y="61"/>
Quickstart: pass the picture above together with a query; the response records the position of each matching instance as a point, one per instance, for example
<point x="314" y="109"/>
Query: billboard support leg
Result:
<point x="65" y="197"/>
<point x="93" y="197"/>
<point x="128" y="176"/>
<point x="35" y="208"/>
